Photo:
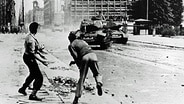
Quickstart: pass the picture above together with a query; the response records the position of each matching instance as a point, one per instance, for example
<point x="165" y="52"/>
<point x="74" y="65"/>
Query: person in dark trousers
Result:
<point x="32" y="53"/>
<point x="84" y="58"/>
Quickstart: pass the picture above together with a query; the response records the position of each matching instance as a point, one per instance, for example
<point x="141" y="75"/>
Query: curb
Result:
<point x="152" y="43"/>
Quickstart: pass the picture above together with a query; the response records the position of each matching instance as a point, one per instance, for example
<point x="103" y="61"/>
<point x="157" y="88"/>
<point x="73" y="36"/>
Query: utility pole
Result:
<point x="108" y="3"/>
<point x="23" y="12"/>
<point x="21" y="18"/>
<point x="147" y="6"/>
<point x="126" y="17"/>
<point x="34" y="9"/>
<point x="4" y="12"/>
<point x="21" y="15"/>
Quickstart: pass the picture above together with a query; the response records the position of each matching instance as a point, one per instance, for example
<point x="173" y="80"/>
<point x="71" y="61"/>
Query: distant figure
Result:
<point x="84" y="58"/>
<point x="110" y="23"/>
<point x="100" y="16"/>
<point x="32" y="53"/>
<point x="3" y="29"/>
<point x="6" y="29"/>
<point x="98" y="19"/>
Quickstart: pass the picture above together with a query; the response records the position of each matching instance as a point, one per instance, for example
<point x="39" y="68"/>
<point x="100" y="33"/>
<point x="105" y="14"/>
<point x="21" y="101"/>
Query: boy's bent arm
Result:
<point x="74" y="55"/>
<point x="73" y="52"/>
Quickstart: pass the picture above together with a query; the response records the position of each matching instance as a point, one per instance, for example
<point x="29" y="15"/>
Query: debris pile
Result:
<point x="66" y="85"/>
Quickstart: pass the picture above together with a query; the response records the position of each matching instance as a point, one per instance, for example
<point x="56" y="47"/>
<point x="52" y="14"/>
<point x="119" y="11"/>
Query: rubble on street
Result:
<point x="59" y="79"/>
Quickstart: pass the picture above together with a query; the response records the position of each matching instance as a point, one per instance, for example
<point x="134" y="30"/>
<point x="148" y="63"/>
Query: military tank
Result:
<point x="94" y="33"/>
<point x="118" y="31"/>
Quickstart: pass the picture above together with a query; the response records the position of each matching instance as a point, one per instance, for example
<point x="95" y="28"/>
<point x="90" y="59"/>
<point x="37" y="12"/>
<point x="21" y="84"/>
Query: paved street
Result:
<point x="146" y="69"/>
<point x="127" y="80"/>
<point x="145" y="63"/>
<point x="14" y="71"/>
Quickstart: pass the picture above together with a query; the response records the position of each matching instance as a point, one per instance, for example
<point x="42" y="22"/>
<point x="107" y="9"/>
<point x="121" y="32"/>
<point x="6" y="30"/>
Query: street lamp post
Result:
<point x="4" y="13"/>
<point x="21" y="19"/>
<point x="21" y="15"/>
<point x="147" y="14"/>
<point x="147" y="6"/>
<point x="126" y="17"/>
<point x="23" y="11"/>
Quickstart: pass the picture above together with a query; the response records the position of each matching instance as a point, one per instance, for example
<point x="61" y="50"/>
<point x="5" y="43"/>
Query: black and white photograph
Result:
<point x="91" y="51"/>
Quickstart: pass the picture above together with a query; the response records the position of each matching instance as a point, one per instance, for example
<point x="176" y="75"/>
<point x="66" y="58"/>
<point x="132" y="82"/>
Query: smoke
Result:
<point x="28" y="5"/>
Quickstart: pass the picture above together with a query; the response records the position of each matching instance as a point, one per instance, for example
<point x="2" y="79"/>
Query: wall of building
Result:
<point x="47" y="12"/>
<point x="58" y="12"/>
<point x="53" y="12"/>
<point x="7" y="12"/>
<point x="71" y="11"/>
<point x="39" y="16"/>
<point x="85" y="9"/>
<point x="36" y="15"/>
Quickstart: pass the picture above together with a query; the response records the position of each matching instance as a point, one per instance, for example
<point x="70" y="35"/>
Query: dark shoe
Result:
<point x="75" y="100"/>
<point x="22" y="91"/>
<point x="34" y="97"/>
<point x="99" y="89"/>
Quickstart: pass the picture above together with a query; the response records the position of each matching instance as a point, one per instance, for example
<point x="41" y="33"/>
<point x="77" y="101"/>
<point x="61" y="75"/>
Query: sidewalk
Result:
<point x="13" y="73"/>
<point x="173" y="42"/>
